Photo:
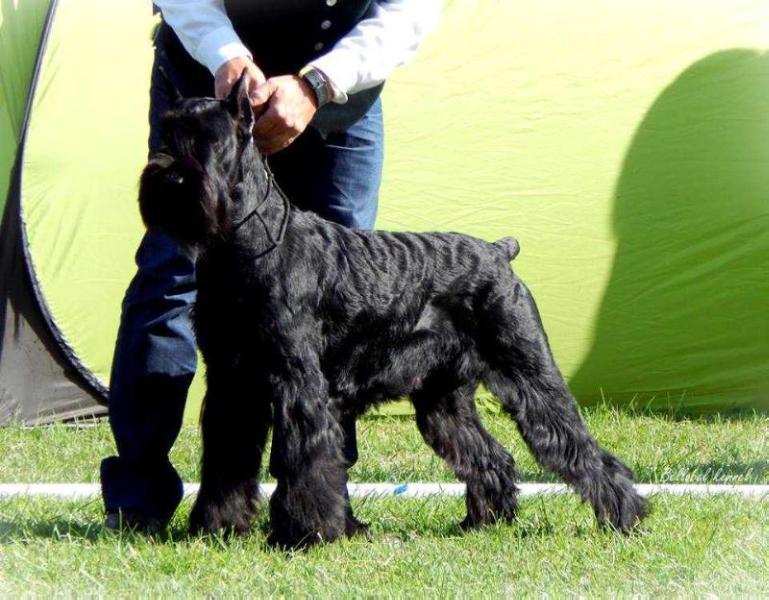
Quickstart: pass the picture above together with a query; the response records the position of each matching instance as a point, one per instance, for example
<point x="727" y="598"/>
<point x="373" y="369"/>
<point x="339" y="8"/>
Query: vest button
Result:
<point x="318" y="46"/>
<point x="330" y="2"/>
<point x="325" y="24"/>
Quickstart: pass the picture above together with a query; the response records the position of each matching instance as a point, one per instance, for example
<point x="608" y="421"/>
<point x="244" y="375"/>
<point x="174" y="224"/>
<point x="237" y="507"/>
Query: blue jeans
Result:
<point x="155" y="355"/>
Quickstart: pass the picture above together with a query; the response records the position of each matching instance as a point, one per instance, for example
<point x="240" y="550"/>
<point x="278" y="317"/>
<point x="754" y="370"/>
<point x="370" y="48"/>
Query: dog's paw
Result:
<point x="490" y="499"/>
<point x="212" y="524"/>
<point x="223" y="518"/>
<point x="297" y="539"/>
<point x="353" y="526"/>
<point x="307" y="511"/>
<point x="624" y="514"/>
<point x="619" y="506"/>
<point x="291" y="541"/>
<point x="470" y="523"/>
<point x="298" y="531"/>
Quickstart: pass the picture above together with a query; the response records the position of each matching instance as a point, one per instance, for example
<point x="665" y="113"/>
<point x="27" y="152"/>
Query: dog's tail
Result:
<point x="510" y="246"/>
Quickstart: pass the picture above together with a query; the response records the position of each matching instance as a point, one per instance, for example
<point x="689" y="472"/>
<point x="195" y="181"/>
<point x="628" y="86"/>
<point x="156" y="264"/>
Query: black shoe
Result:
<point x="128" y="521"/>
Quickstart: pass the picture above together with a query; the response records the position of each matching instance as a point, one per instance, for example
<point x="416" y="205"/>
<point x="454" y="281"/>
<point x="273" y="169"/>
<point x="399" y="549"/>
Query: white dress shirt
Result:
<point x="360" y="60"/>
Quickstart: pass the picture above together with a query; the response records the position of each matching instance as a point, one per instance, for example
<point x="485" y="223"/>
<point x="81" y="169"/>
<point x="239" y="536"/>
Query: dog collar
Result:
<point x="257" y="212"/>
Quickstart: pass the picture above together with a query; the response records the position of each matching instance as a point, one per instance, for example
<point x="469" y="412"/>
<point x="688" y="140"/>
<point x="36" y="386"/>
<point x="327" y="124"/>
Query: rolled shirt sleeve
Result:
<point x="377" y="45"/>
<point x="362" y="59"/>
<point x="204" y="30"/>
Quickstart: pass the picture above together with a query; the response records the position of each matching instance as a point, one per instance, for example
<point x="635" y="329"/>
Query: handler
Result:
<point x="315" y="70"/>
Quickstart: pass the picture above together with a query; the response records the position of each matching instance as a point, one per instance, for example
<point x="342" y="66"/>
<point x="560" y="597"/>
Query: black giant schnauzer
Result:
<point x="303" y="322"/>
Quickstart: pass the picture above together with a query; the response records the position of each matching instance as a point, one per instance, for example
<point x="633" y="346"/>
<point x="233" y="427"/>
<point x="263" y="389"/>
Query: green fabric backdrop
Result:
<point x="20" y="27"/>
<point x="626" y="144"/>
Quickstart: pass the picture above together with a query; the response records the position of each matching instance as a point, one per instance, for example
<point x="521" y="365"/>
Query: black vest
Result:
<point x="284" y="35"/>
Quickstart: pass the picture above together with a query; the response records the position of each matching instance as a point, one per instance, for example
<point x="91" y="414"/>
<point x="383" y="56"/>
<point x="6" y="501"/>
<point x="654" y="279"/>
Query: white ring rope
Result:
<point x="84" y="491"/>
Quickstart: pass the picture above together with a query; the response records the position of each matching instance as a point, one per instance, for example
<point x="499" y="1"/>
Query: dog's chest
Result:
<point x="232" y="300"/>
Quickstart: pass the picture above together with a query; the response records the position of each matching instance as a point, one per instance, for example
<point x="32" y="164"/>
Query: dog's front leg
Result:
<point x="235" y="421"/>
<point x="309" y="503"/>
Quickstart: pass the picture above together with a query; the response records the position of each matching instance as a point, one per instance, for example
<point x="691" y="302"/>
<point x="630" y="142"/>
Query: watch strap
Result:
<point x="318" y="83"/>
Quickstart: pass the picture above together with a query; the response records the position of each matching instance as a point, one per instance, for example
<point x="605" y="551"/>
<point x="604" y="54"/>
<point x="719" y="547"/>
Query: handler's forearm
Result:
<point x="389" y="38"/>
<point x="204" y="30"/>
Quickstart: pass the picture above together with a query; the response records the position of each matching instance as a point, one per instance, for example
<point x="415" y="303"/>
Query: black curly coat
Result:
<point x="302" y="322"/>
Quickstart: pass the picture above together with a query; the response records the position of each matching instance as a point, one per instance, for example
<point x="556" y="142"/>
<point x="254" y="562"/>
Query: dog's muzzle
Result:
<point x="172" y="196"/>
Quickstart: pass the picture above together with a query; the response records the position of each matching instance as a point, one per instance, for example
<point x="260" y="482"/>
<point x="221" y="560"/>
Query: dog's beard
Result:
<point x="178" y="197"/>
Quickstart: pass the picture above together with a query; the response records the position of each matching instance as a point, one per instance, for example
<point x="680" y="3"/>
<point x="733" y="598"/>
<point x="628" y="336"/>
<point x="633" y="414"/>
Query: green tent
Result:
<point x="626" y="145"/>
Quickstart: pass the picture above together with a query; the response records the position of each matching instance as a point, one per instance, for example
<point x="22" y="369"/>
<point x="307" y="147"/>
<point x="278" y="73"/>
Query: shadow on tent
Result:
<point x="683" y="325"/>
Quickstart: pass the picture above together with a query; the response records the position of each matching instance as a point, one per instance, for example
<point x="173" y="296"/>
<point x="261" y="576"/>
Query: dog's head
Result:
<point x="189" y="187"/>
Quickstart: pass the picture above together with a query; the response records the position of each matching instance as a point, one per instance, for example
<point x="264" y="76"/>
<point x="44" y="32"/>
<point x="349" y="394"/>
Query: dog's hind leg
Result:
<point x="525" y="378"/>
<point x="309" y="503"/>
<point x="450" y="424"/>
<point x="234" y="428"/>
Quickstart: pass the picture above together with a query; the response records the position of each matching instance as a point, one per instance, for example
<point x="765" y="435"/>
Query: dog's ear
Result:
<point x="173" y="92"/>
<point x="239" y="104"/>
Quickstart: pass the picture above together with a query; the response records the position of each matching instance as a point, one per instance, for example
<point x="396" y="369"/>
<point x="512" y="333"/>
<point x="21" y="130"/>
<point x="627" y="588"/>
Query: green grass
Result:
<point x="689" y="546"/>
<point x="658" y="449"/>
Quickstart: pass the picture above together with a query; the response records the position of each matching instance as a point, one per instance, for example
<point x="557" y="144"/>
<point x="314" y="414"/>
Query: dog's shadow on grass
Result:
<point x="65" y="529"/>
<point x="30" y="519"/>
<point x="425" y="520"/>
<point x="14" y="531"/>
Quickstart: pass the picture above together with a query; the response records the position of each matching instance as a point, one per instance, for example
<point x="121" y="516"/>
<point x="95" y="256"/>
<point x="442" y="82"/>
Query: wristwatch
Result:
<point x="319" y="84"/>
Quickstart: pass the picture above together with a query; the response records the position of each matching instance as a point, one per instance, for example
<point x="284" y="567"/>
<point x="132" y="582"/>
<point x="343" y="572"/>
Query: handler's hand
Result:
<point x="289" y="107"/>
<point x="229" y="73"/>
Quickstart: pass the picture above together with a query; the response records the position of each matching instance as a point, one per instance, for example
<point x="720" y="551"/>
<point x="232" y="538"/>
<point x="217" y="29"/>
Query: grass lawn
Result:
<point x="688" y="546"/>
